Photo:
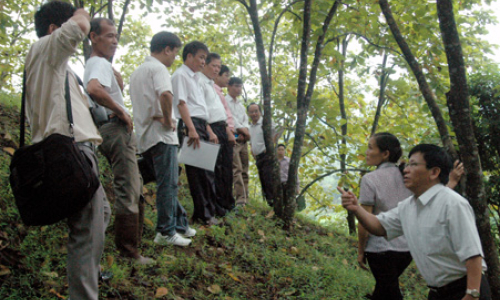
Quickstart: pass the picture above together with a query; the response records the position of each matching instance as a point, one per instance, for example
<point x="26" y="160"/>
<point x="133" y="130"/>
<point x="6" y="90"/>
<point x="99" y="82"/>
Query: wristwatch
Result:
<point x="474" y="293"/>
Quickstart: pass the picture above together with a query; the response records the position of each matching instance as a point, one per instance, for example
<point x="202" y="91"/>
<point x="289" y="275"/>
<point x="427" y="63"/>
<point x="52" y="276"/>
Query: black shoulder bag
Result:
<point x="51" y="180"/>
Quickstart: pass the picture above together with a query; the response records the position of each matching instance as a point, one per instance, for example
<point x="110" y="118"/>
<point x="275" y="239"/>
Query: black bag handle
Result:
<point x="67" y="96"/>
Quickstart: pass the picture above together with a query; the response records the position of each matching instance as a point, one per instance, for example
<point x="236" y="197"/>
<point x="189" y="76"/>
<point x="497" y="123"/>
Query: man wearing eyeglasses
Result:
<point x="438" y="224"/>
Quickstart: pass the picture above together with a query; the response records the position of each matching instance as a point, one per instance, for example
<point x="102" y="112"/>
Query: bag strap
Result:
<point x="67" y="96"/>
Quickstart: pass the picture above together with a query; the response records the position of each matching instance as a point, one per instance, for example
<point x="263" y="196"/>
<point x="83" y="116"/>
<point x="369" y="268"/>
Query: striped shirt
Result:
<point x="383" y="189"/>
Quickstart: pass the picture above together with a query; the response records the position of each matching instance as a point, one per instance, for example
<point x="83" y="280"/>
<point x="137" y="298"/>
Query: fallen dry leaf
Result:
<point x="52" y="291"/>
<point x="109" y="260"/>
<point x="149" y="200"/>
<point x="270" y="214"/>
<point x="234" y="277"/>
<point x="260" y="232"/>
<point x="149" y="222"/>
<point x="9" y="150"/>
<point x="214" y="289"/>
<point x="51" y="274"/>
<point x="160" y="292"/>
<point x="344" y="261"/>
<point x="4" y="271"/>
<point x="294" y="250"/>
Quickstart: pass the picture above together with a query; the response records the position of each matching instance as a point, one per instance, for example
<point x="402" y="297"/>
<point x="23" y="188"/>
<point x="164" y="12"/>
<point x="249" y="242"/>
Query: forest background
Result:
<point x="362" y="81"/>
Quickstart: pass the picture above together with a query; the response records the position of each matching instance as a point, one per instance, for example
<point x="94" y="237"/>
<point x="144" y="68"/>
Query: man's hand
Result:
<point x="362" y="261"/>
<point x="119" y="79"/>
<point x="349" y="200"/>
<point x="230" y="139"/>
<point x="240" y="139"/>
<point x="127" y="120"/>
<point x="213" y="138"/>
<point x="211" y="135"/>
<point x="82" y="18"/>
<point x="194" y="139"/>
<point x="455" y="174"/>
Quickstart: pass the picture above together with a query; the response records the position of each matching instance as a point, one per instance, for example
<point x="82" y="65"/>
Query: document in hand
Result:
<point x="203" y="157"/>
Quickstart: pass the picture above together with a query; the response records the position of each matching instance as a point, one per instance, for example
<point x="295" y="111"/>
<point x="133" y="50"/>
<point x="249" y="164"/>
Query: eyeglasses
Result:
<point x="414" y="164"/>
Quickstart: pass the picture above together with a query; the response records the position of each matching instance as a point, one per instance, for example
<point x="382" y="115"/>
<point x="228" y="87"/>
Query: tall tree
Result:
<point x="459" y="110"/>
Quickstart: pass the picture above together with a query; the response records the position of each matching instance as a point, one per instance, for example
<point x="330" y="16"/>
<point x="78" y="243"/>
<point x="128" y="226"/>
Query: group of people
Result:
<point x="189" y="105"/>
<point x="416" y="216"/>
<point x="414" y="213"/>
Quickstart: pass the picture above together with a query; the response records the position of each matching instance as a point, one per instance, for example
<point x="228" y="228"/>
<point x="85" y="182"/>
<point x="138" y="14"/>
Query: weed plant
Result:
<point x="248" y="257"/>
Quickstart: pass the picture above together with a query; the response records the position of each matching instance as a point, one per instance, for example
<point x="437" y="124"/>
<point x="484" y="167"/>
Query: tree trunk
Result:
<point x="351" y="222"/>
<point x="384" y="76"/>
<point x="427" y="93"/>
<point x="458" y="105"/>
<point x="304" y="100"/>
<point x="252" y="10"/>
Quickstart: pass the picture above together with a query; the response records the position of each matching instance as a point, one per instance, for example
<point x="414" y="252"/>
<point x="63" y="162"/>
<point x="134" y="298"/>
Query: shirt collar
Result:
<point x="152" y="59"/>
<point x="189" y="71"/>
<point x="386" y="165"/>
<point x="217" y="88"/>
<point x="430" y="193"/>
<point x="204" y="78"/>
<point x="259" y="122"/>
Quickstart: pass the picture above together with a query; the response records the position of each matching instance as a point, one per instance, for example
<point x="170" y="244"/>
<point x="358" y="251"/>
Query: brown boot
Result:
<point x="126" y="238"/>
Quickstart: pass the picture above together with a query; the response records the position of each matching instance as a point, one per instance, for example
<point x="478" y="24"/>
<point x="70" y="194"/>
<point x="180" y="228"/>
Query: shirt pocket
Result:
<point x="434" y="240"/>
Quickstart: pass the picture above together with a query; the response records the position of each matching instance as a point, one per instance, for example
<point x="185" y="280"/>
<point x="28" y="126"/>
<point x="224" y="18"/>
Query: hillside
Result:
<point x="248" y="257"/>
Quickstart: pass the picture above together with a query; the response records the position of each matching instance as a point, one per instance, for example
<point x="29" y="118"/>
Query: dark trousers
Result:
<point x="265" y="166"/>
<point x="201" y="182"/>
<point x="456" y="290"/>
<point x="223" y="171"/>
<point x="386" y="267"/>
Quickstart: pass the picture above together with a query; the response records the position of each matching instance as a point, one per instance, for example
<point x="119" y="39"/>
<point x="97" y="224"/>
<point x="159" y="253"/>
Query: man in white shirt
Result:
<point x="105" y="86"/>
<point x="217" y="119"/>
<point x="240" y="150"/>
<point x="439" y="227"/>
<point x="190" y="106"/>
<point x="151" y="95"/>
<point x="263" y="161"/>
<point x="61" y="28"/>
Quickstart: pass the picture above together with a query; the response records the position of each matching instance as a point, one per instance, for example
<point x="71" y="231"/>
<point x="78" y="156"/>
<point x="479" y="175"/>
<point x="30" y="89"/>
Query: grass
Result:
<point x="248" y="257"/>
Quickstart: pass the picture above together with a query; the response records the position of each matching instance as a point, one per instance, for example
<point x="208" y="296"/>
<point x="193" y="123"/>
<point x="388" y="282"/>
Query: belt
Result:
<point x="113" y="119"/>
<point x="220" y="123"/>
<point x="86" y="144"/>
<point x="199" y="121"/>
<point x="446" y="289"/>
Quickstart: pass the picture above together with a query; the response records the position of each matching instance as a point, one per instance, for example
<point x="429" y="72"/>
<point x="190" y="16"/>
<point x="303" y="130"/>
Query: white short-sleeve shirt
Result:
<point x="147" y="83"/>
<point x="186" y="88"/>
<point x="239" y="113"/>
<point x="257" y="142"/>
<point x="216" y="111"/>
<point x="100" y="68"/>
<point x="441" y="232"/>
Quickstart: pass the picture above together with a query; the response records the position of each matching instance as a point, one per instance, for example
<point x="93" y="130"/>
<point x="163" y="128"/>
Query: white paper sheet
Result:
<point x="203" y="157"/>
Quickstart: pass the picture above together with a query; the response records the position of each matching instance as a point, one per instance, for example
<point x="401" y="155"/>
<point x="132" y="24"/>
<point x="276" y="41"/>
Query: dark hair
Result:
<point x="164" y="39"/>
<point x="193" y="48"/>
<point x="435" y="157"/>
<point x="212" y="56"/>
<point x="53" y="12"/>
<point x="95" y="25"/>
<point x="253" y="103"/>
<point x="281" y="145"/>
<point x="388" y="142"/>
<point x="235" y="80"/>
<point x="223" y="69"/>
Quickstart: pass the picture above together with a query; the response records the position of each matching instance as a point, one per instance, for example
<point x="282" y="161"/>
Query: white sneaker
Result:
<point x="190" y="232"/>
<point x="175" y="239"/>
